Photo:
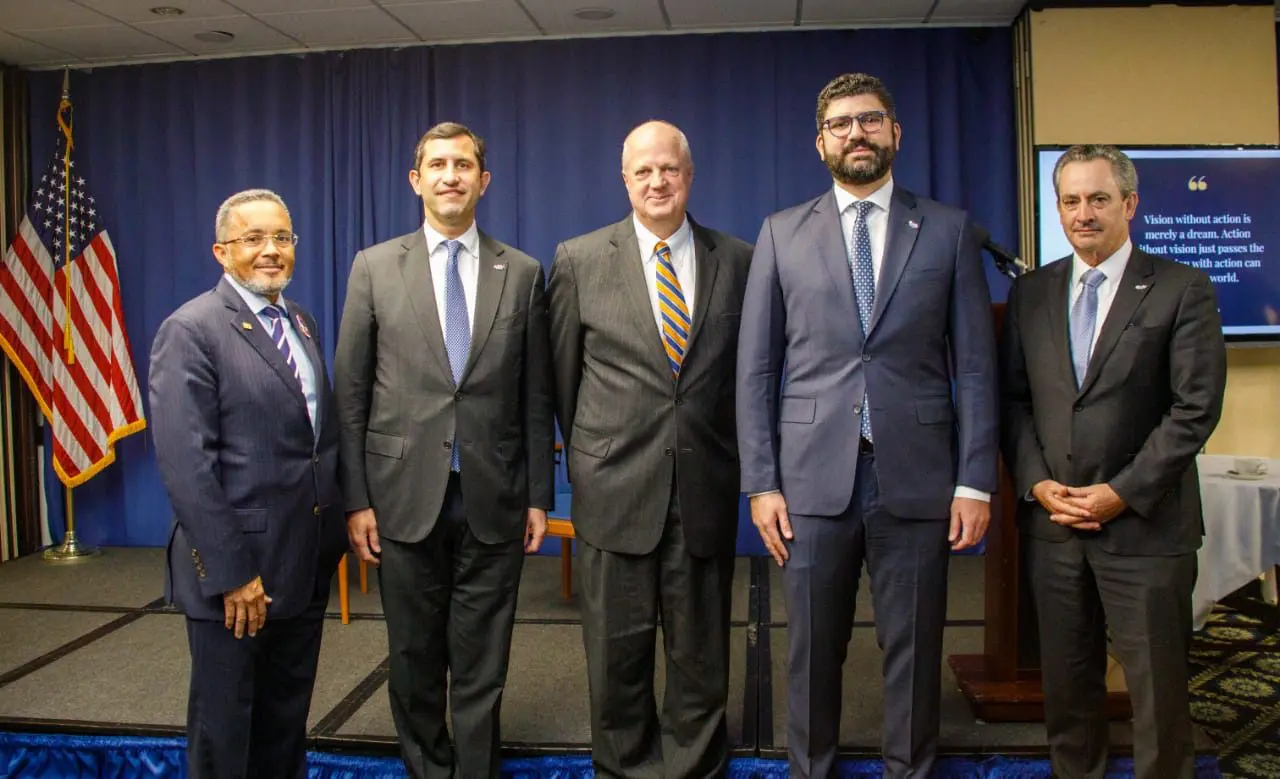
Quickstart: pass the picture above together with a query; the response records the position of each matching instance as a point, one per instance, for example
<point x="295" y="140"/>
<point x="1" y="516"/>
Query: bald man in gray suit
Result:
<point x="644" y="332"/>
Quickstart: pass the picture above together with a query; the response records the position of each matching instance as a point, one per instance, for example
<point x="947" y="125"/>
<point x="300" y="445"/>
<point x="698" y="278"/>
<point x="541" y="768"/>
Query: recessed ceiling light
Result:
<point x="214" y="36"/>
<point x="167" y="10"/>
<point x="597" y="14"/>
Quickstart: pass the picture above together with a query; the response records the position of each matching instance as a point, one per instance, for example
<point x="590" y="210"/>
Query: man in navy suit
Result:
<point x="863" y="307"/>
<point x="247" y="445"/>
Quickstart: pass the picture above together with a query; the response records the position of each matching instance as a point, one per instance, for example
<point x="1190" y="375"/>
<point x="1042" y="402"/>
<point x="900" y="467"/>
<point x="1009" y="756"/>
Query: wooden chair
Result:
<point x="560" y="525"/>
<point x="344" y="600"/>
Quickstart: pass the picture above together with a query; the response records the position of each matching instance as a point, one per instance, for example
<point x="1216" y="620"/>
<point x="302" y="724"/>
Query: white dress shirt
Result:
<point x="878" y="229"/>
<point x="306" y="371"/>
<point x="682" y="259"/>
<point x="468" y="269"/>
<point x="1113" y="268"/>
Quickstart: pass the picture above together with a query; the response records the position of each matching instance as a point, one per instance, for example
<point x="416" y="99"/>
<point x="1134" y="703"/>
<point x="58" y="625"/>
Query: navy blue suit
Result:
<point x="805" y="366"/>
<point x="255" y="493"/>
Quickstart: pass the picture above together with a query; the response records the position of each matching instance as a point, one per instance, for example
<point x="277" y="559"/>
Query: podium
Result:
<point x="1003" y="683"/>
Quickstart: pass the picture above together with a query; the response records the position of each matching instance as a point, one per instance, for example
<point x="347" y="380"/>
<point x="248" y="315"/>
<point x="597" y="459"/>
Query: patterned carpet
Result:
<point x="1235" y="693"/>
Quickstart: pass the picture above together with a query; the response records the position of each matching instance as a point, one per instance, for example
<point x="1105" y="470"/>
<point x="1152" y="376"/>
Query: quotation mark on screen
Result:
<point x="1197" y="183"/>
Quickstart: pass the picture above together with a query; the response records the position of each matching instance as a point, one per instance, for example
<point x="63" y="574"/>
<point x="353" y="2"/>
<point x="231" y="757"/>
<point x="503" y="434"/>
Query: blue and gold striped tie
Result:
<point x="675" y="314"/>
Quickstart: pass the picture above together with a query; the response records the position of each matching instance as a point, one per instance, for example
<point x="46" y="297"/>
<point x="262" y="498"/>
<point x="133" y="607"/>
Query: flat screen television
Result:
<point x="1216" y="208"/>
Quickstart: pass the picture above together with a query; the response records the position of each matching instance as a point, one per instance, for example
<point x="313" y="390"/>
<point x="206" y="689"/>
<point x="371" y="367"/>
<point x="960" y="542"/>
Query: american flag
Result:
<point x="79" y="369"/>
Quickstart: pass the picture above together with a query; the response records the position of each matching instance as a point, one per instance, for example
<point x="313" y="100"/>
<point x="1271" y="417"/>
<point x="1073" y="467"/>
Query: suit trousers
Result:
<point x="450" y="605"/>
<point x="907" y="561"/>
<point x="623" y="599"/>
<point x="1082" y="593"/>
<point x="249" y="697"/>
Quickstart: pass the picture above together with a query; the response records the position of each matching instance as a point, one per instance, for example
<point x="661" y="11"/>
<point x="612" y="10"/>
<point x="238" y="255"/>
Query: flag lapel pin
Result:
<point x="302" y="326"/>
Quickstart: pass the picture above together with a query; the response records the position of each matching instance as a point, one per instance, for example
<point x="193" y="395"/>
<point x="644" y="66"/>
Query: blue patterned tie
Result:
<point x="275" y="314"/>
<point x="864" y="284"/>
<point x="1084" y="319"/>
<point x="457" y="331"/>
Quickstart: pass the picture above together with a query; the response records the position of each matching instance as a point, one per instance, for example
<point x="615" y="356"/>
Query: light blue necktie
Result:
<point x="457" y="331"/>
<point x="1084" y="319"/>
<point x="864" y="285"/>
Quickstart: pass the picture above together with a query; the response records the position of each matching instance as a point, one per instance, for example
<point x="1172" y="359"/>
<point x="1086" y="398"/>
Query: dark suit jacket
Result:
<point x="400" y="409"/>
<point x="254" y="491"/>
<point x="804" y="364"/>
<point x="628" y="427"/>
<point x="1150" y="399"/>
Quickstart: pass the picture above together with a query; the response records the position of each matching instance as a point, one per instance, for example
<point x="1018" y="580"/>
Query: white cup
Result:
<point x="1250" y="466"/>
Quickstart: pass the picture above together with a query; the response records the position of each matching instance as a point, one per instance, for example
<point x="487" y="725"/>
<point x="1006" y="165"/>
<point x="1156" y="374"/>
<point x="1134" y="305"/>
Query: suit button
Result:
<point x="316" y="459"/>
<point x="315" y="510"/>
<point x="1068" y="458"/>
<point x="866" y="358"/>
<point x="457" y="396"/>
<point x="446" y="444"/>
<point x="670" y="452"/>
<point x="679" y="400"/>
<point x="857" y="409"/>
<point x="1078" y="408"/>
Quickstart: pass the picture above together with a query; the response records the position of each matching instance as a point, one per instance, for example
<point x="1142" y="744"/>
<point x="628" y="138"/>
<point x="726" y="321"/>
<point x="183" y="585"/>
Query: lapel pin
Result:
<point x="302" y="326"/>
<point x="246" y="325"/>
<point x="1141" y="286"/>
<point x="500" y="266"/>
<point x="913" y="224"/>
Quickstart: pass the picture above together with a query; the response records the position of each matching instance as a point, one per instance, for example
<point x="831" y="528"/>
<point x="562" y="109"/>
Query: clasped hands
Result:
<point x="1082" y="508"/>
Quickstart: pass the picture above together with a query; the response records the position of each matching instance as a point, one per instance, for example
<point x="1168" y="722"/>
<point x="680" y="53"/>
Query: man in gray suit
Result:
<point x="863" y="308"/>
<point x="644" y="324"/>
<point x="246" y="438"/>
<point x="444" y="391"/>
<point x="1113" y="371"/>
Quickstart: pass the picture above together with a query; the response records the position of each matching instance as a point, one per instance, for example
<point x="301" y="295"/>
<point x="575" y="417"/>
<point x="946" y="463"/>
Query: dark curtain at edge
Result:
<point x="334" y="134"/>
<point x="19" y="430"/>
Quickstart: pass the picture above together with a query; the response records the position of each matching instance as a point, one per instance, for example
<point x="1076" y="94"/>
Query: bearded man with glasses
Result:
<point x="246" y="439"/>
<point x="863" y="307"/>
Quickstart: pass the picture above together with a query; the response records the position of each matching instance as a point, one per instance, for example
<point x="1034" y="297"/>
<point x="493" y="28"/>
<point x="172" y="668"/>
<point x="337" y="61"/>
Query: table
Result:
<point x="1242" y="531"/>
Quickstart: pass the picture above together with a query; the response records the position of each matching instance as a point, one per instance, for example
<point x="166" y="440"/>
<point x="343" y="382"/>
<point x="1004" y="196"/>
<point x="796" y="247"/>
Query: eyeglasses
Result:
<point x="258" y="240"/>
<point x="869" y="121"/>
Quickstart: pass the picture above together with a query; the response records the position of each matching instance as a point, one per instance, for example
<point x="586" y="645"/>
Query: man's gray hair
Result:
<point x="239" y="199"/>
<point x="1121" y="166"/>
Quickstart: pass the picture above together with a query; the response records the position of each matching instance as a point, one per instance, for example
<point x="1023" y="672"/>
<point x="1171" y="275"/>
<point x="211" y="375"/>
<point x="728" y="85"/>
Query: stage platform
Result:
<point x="91" y="648"/>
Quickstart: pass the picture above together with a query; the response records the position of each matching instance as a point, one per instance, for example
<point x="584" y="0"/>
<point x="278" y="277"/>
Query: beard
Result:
<point x="858" y="172"/>
<point x="267" y="289"/>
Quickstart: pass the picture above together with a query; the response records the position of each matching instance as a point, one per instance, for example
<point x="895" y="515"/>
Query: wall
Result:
<point x="1168" y="74"/>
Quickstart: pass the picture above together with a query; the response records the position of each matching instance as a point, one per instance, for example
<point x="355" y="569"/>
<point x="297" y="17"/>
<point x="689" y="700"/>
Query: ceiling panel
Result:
<point x="46" y="14"/>
<point x="140" y="10"/>
<point x="257" y="7"/>
<point x="865" y="11"/>
<point x="556" y="16"/>
<point x="14" y="49"/>
<point x="464" y="19"/>
<point x="250" y="35"/>
<point x="341" y="26"/>
<point x="976" y="11"/>
<point x="103" y="43"/>
<point x="731" y="13"/>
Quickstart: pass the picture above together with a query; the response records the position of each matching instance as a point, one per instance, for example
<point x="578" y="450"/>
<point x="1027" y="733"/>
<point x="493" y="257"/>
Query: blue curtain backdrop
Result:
<point x="334" y="133"/>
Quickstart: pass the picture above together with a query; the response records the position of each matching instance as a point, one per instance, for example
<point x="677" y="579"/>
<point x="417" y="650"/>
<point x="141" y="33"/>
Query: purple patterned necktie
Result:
<point x="276" y="314"/>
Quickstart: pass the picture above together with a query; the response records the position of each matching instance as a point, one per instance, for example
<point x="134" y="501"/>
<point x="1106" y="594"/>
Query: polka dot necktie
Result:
<point x="864" y="285"/>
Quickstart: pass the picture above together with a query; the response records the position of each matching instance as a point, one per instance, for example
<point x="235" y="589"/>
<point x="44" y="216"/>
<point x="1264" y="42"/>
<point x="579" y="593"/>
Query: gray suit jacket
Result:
<point x="1151" y="398"/>
<point x="628" y="428"/>
<point x="254" y="489"/>
<point x="804" y="364"/>
<point x="400" y="410"/>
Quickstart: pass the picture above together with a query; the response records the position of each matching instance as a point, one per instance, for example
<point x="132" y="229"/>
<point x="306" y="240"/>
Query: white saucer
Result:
<point x="1234" y="474"/>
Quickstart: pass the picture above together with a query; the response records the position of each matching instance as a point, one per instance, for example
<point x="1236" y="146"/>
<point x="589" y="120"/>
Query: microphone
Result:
<point x="1006" y="261"/>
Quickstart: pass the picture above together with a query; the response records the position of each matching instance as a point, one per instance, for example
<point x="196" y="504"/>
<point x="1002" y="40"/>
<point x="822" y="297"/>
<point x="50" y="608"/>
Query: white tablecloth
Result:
<point x="1241" y="530"/>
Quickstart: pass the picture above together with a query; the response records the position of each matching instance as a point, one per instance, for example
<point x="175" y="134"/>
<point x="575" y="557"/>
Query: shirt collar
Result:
<point x="253" y="300"/>
<point x="1112" y="267"/>
<point x="882" y="197"/>
<point x="470" y="239"/>
<point x="647" y="240"/>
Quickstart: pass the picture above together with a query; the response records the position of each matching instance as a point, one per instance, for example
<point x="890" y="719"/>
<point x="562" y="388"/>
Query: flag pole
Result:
<point x="70" y="550"/>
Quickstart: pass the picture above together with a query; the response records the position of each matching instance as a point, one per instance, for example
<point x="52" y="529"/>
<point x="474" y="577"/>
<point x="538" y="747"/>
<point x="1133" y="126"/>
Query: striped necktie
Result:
<point x="276" y="315"/>
<point x="675" y="313"/>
